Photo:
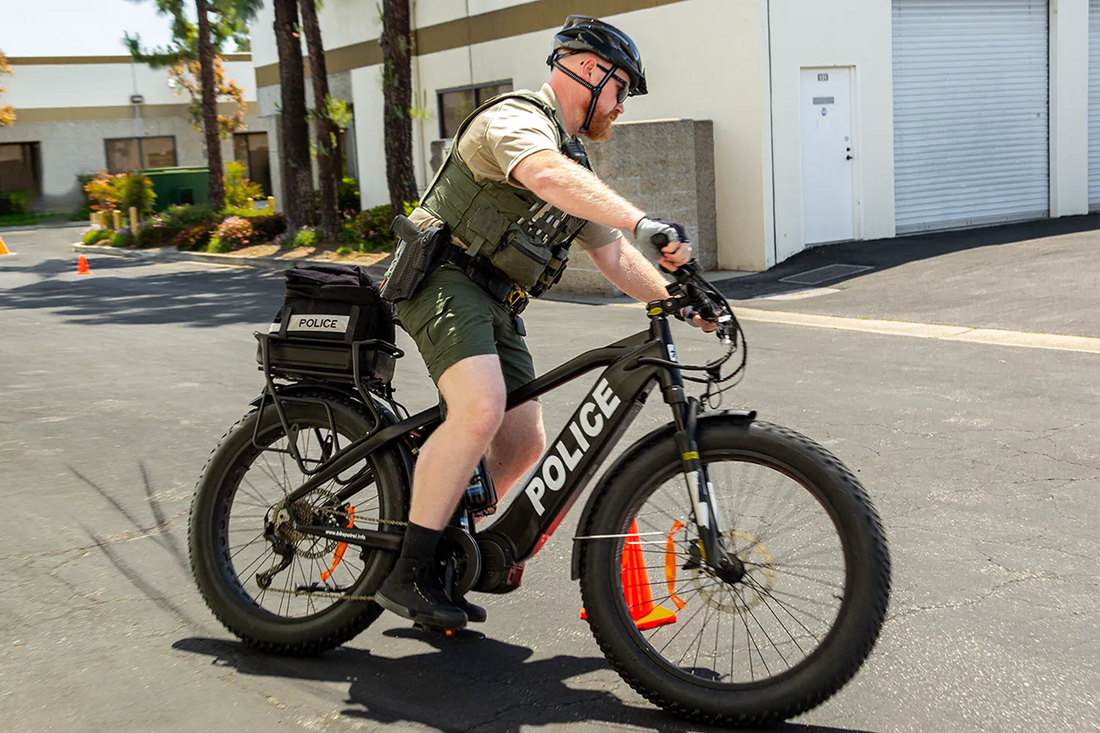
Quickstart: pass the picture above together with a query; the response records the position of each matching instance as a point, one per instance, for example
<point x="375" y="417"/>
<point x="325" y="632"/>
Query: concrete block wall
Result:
<point x="666" y="168"/>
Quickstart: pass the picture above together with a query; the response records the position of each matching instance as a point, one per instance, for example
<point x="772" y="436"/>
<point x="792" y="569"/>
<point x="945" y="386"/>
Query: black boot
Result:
<point x="411" y="590"/>
<point x="474" y="612"/>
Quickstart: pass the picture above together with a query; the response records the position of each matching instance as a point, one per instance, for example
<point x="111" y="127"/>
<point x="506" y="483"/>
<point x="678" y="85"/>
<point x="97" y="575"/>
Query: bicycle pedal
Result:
<point x="449" y="633"/>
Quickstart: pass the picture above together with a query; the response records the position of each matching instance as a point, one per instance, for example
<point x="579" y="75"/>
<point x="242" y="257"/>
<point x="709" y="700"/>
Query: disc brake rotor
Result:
<point x="747" y="593"/>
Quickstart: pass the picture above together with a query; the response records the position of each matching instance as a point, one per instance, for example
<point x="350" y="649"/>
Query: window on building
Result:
<point x="21" y="168"/>
<point x="127" y="154"/>
<point x="250" y="148"/>
<point x="455" y="105"/>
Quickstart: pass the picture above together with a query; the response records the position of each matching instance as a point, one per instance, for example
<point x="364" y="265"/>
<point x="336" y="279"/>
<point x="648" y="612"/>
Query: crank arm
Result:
<point x="366" y="538"/>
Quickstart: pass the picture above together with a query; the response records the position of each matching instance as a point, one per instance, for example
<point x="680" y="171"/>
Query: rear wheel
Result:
<point x="276" y="589"/>
<point x="768" y="641"/>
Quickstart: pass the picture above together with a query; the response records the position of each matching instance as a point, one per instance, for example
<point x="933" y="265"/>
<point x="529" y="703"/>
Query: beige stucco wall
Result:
<point x="853" y="33"/>
<point x="70" y="109"/>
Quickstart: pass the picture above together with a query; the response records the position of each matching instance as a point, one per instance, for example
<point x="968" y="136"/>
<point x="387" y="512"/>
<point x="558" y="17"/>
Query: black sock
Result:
<point x="420" y="543"/>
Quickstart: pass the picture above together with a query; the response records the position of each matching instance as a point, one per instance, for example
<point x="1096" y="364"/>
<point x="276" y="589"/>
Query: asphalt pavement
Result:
<point x="982" y="459"/>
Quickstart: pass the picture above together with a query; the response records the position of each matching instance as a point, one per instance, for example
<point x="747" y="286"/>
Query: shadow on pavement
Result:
<point x="201" y="298"/>
<point x="466" y="683"/>
<point x="883" y="254"/>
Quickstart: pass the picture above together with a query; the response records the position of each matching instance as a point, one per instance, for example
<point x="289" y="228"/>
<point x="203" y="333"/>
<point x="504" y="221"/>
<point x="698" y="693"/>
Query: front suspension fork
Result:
<point x="700" y="491"/>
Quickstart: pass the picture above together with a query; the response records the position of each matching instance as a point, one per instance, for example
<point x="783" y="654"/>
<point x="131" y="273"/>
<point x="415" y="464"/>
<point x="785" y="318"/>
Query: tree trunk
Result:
<point x="211" y="134"/>
<point x="294" y="129"/>
<point x="397" y="99"/>
<point x="328" y="167"/>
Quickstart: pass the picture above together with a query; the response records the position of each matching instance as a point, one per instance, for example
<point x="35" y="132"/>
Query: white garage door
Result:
<point x="1094" y="105"/>
<point x="970" y="112"/>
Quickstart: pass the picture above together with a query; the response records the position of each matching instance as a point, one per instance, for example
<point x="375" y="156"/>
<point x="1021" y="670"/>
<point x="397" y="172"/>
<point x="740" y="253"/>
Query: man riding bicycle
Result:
<point x="516" y="192"/>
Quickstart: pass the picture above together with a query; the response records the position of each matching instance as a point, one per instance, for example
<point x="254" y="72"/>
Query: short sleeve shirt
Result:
<point x="503" y="135"/>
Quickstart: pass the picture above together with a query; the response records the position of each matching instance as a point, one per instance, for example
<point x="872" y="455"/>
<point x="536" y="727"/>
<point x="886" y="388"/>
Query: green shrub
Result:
<point x="137" y="192"/>
<point x="12" y="203"/>
<point x="304" y="237"/>
<point x="155" y="233"/>
<point x="238" y="189"/>
<point x="107" y="192"/>
<point x="95" y="236"/>
<point x="195" y="237"/>
<point x="307" y="237"/>
<point x="217" y="246"/>
<point x="122" y="238"/>
<point x="233" y="232"/>
<point x="182" y="217"/>
<point x="344" y="250"/>
<point x="372" y="227"/>
<point x="86" y="203"/>
<point x="347" y="196"/>
<point x="267" y="228"/>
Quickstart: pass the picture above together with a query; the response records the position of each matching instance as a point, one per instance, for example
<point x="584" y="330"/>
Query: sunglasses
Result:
<point x="624" y="86"/>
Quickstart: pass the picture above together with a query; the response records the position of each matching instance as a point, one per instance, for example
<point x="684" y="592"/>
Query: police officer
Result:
<point x="517" y="193"/>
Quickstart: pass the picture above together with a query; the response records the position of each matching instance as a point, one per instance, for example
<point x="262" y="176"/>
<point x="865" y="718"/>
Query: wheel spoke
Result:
<point x="766" y="619"/>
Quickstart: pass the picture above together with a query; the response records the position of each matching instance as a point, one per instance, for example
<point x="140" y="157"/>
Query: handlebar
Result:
<point x="700" y="295"/>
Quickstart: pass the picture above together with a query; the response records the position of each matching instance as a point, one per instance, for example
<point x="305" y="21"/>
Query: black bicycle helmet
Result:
<point x="582" y="34"/>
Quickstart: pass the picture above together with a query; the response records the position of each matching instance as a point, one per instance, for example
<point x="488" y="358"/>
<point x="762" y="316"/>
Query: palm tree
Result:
<point x="294" y="128"/>
<point x="327" y="166"/>
<point x="211" y="136"/>
<point x="397" y="101"/>
<point x="202" y="42"/>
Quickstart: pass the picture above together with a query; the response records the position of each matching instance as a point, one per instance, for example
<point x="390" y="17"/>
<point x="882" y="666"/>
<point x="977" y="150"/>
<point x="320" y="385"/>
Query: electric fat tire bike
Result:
<point x="732" y="571"/>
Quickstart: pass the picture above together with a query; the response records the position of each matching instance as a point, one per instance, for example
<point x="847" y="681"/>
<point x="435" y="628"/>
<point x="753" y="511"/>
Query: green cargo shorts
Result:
<point x="452" y="318"/>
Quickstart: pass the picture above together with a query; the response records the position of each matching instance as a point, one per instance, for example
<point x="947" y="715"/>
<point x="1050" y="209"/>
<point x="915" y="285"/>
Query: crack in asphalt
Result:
<point x="970" y="601"/>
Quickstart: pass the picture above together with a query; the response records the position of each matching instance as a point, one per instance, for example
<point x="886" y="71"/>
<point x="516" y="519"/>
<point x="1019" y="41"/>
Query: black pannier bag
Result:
<point x="326" y="311"/>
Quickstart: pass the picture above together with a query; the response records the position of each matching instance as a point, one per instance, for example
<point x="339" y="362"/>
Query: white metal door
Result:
<point x="971" y="132"/>
<point x="1094" y="105"/>
<point x="827" y="198"/>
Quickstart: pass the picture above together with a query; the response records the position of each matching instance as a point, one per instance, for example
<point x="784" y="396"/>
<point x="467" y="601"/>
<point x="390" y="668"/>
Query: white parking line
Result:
<point x="969" y="334"/>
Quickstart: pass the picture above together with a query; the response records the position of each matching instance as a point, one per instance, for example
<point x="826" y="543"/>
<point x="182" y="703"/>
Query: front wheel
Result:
<point x="769" y="641"/>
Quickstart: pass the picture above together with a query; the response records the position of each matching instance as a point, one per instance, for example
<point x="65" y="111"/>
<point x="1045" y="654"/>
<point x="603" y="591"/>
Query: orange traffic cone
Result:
<point x="82" y="266"/>
<point x="636" y="592"/>
<point x="3" y="247"/>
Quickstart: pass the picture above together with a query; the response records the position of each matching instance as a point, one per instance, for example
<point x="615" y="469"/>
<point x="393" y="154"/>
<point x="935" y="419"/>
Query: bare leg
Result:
<point x="517" y="445"/>
<point x="475" y="395"/>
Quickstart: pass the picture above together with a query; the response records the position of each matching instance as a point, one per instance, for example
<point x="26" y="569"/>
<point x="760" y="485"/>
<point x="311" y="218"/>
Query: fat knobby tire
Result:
<point x="221" y="589"/>
<point x="848" y="642"/>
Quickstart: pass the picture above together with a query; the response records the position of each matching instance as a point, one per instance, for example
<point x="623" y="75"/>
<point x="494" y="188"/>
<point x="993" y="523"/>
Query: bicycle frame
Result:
<point x="632" y="366"/>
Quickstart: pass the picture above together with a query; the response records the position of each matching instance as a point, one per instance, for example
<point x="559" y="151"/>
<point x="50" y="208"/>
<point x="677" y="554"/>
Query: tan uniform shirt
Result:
<point x="503" y="135"/>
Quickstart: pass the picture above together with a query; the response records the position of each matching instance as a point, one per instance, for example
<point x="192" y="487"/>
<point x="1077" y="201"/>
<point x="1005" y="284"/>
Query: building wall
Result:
<point x="741" y="71"/>
<point x="73" y="147"/>
<point x="854" y="33"/>
<point x="70" y="106"/>
<point x="728" y="87"/>
<point x="1069" y="107"/>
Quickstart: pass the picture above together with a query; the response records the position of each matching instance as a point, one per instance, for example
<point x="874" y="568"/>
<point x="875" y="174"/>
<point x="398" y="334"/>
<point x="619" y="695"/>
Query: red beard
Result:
<point x="599" y="129"/>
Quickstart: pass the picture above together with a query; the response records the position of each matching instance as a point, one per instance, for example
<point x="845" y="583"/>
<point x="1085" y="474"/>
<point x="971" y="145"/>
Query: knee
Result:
<point x="480" y="415"/>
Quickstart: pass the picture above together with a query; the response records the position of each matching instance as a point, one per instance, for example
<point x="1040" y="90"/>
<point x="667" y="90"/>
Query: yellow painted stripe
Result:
<point x="968" y="334"/>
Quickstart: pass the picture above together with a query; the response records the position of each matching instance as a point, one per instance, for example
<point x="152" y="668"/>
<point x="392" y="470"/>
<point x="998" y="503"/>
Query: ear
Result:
<point x="588" y="66"/>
